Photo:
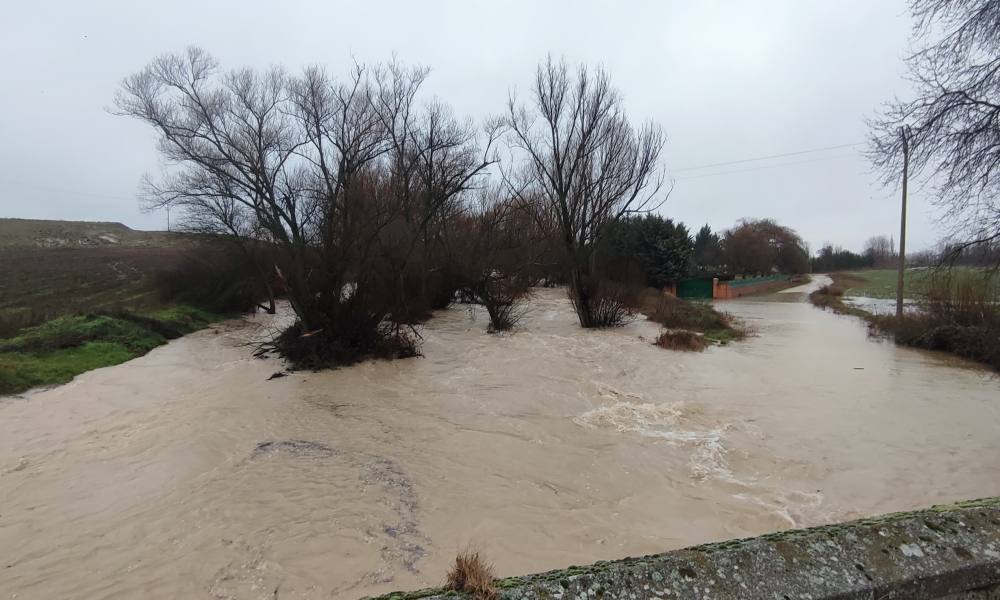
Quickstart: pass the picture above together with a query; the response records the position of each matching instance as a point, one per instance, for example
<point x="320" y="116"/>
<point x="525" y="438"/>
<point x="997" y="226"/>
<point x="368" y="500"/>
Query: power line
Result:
<point x="756" y="158"/>
<point x="706" y="166"/>
<point x="762" y="167"/>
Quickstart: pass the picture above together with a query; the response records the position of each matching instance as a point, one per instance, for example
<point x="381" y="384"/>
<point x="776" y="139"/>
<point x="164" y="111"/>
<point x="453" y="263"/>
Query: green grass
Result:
<point x="881" y="283"/>
<point x="62" y="348"/>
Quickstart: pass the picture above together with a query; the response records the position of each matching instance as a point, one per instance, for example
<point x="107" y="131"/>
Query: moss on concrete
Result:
<point x="945" y="551"/>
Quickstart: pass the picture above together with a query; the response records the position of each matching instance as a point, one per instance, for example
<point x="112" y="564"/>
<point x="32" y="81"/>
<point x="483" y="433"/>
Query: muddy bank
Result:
<point x="186" y="473"/>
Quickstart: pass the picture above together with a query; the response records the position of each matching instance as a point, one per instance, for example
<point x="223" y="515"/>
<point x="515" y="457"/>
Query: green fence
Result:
<point x="756" y="280"/>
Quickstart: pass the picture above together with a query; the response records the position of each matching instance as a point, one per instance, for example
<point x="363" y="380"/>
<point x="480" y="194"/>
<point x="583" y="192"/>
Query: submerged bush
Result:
<point x="608" y="296"/>
<point x="504" y="305"/>
<point x="681" y="340"/>
<point x="611" y="303"/>
<point x="321" y="348"/>
<point x="677" y="314"/>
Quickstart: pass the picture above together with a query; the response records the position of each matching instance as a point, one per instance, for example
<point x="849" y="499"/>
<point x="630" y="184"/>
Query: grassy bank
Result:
<point x="62" y="348"/>
<point x="681" y="317"/>
<point x="959" y="313"/>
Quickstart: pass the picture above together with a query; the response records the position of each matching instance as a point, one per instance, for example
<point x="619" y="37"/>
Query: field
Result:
<point x="881" y="283"/>
<point x="54" y="268"/>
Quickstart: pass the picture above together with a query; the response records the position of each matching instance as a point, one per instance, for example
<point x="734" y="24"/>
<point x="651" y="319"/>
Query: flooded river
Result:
<point x="188" y="474"/>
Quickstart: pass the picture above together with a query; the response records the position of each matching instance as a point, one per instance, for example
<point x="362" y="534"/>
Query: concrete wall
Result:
<point x="947" y="552"/>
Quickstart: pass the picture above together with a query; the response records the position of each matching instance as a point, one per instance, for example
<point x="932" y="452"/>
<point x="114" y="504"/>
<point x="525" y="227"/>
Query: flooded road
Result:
<point x="188" y="474"/>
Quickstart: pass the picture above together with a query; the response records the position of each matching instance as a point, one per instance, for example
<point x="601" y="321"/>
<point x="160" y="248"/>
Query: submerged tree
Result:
<point x="349" y="181"/>
<point x="499" y="253"/>
<point x="588" y="167"/>
<point x="953" y="121"/>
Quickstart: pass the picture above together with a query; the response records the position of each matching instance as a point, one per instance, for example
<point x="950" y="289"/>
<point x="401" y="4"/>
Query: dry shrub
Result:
<point x="960" y="314"/>
<point x="472" y="575"/>
<point x="216" y="277"/>
<point x="609" y="296"/>
<point x="964" y="297"/>
<point x="673" y="312"/>
<point x="681" y="339"/>
<point x="612" y="303"/>
<point x="13" y="321"/>
<point x="503" y="297"/>
<point x="497" y="253"/>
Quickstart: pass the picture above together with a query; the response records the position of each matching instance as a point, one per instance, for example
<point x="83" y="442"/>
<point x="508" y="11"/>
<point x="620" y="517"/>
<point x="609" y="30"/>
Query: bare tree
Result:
<point x="954" y="118"/>
<point x="234" y="141"/>
<point x="501" y="256"/>
<point x="434" y="159"/>
<point x="586" y="163"/>
<point x="329" y="172"/>
<point x="881" y="249"/>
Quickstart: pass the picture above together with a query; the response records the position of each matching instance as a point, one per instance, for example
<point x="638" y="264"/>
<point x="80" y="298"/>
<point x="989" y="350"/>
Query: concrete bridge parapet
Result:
<point x="946" y="552"/>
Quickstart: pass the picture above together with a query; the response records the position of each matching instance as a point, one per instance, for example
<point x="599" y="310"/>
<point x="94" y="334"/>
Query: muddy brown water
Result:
<point x="187" y="474"/>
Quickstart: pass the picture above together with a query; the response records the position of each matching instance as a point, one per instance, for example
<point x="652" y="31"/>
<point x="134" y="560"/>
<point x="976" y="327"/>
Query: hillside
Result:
<point x="38" y="233"/>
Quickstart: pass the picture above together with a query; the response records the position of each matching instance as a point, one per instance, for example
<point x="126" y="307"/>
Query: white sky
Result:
<point x="727" y="80"/>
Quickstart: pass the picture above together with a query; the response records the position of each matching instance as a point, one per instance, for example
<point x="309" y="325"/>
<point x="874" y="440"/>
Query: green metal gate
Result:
<point x="694" y="288"/>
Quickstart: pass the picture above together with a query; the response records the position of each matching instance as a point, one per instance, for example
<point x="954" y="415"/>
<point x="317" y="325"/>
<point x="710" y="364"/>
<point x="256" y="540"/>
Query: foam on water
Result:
<point x="673" y="423"/>
<point x="669" y="422"/>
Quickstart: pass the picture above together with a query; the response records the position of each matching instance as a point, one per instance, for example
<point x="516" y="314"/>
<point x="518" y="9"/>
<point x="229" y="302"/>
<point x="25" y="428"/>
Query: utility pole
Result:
<point x="904" y="133"/>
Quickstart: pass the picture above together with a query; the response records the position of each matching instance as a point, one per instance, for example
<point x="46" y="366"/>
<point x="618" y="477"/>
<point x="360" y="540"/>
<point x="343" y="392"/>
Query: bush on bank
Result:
<point x="958" y="314"/>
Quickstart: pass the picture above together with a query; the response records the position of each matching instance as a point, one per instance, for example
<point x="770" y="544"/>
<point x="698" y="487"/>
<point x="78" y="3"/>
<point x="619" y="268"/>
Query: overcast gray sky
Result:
<point x="728" y="80"/>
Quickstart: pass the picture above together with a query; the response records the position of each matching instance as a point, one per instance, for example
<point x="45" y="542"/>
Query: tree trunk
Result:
<point x="580" y="296"/>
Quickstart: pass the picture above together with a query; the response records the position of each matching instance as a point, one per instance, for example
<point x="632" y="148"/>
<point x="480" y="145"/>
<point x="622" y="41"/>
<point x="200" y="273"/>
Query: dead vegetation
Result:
<point x="831" y="295"/>
<point x="472" y="575"/>
<point x="680" y="317"/>
<point x="680" y="339"/>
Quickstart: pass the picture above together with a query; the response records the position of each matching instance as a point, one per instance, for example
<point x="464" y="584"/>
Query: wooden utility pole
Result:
<point x="905" y="135"/>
